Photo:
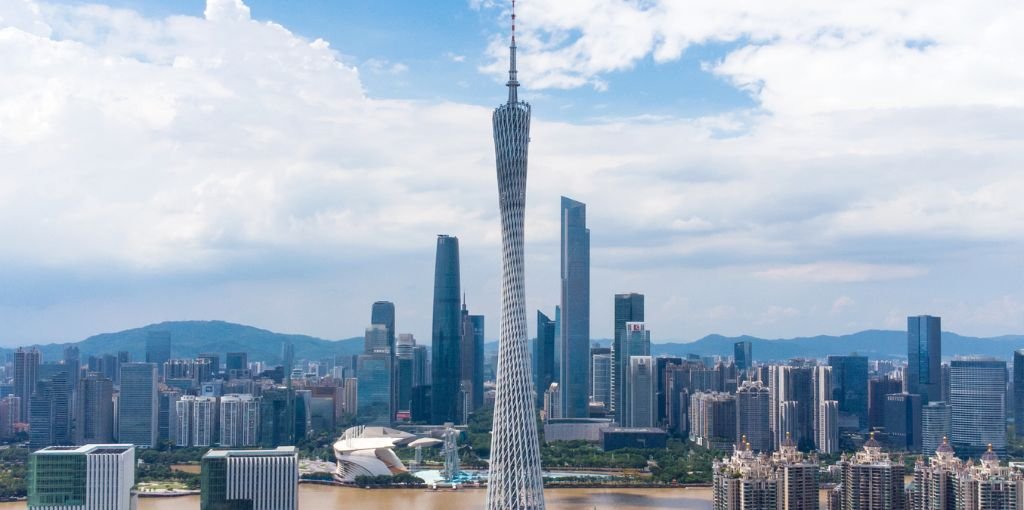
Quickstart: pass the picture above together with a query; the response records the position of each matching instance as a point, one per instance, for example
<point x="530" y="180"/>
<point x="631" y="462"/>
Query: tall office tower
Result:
<point x="239" y="420"/>
<point x="255" y="479"/>
<point x="209" y="366"/>
<point x="404" y="356"/>
<point x="236" y="363"/>
<point x="303" y="407"/>
<point x="26" y="369"/>
<point x="472" y="351"/>
<point x="73" y="360"/>
<point x="575" y="372"/>
<point x="287" y="361"/>
<point x="94" y="413"/>
<point x="924" y="357"/>
<point x="822" y="381"/>
<point x="935" y="480"/>
<point x="374" y="390"/>
<point x="90" y="477"/>
<point x="743" y="354"/>
<point x="544" y="356"/>
<point x="666" y="397"/>
<point x="850" y="388"/>
<point x="713" y="420"/>
<point x="628" y="308"/>
<point x="945" y="382"/>
<point x="375" y="340"/>
<point x="978" y="398"/>
<point x="515" y="480"/>
<point x="558" y="343"/>
<point x="138" y="406"/>
<point x="744" y="482"/>
<point x="383" y="313"/>
<point x="50" y="413"/>
<point x="903" y="421"/>
<point x="637" y="342"/>
<point x="826" y="433"/>
<point x="600" y="374"/>
<point x="158" y="349"/>
<point x="936" y="426"/>
<point x="10" y="410"/>
<point x="1018" y="392"/>
<point x="752" y="401"/>
<point x="792" y="389"/>
<point x="277" y="417"/>
<point x="640" y="404"/>
<point x="167" y="415"/>
<point x="988" y="485"/>
<point x="447" y="334"/>
<point x="871" y="479"/>
<point x="878" y="390"/>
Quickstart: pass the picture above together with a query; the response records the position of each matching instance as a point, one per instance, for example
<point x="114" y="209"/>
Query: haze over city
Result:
<point x="833" y="169"/>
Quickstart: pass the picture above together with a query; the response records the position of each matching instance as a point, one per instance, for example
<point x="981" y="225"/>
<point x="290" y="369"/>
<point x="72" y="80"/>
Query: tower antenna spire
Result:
<point x="513" y="82"/>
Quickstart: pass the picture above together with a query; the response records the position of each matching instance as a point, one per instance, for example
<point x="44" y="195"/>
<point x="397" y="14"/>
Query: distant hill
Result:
<point x="190" y="338"/>
<point x="871" y="343"/>
<point x="875" y="344"/>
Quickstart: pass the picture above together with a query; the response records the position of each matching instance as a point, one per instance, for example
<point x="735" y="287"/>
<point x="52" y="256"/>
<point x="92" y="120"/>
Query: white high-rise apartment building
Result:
<point x="239" y="420"/>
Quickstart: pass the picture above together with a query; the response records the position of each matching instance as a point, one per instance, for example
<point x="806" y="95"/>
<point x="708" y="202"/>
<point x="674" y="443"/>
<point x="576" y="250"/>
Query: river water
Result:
<point x="322" y="497"/>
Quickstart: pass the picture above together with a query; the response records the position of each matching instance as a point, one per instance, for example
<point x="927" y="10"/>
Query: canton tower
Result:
<point x="515" y="481"/>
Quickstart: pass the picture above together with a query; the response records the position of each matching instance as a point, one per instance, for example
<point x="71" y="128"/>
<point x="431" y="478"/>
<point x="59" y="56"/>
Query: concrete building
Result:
<point x="89" y="477"/>
<point x="936" y="426"/>
<point x="935" y="480"/>
<point x="250" y="479"/>
<point x="785" y="480"/>
<point x="640" y="405"/>
<point x="827" y="428"/>
<point x="628" y="308"/>
<point x="137" y="405"/>
<point x="26" y="369"/>
<point x="239" y="420"/>
<point x="870" y="479"/>
<point x="94" y="411"/>
<point x="713" y="420"/>
<point x="988" y="485"/>
<point x="575" y="429"/>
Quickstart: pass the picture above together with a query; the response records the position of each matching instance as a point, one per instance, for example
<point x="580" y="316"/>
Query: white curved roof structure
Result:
<point x="367" y="451"/>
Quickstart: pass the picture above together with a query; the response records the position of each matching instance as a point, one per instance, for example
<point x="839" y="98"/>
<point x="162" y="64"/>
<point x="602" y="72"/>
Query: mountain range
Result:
<point x="190" y="338"/>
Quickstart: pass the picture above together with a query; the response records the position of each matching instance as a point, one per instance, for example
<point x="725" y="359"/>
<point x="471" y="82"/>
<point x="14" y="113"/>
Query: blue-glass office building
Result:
<point x="446" y="333"/>
<point x="924" y="357"/>
<point x="575" y="370"/>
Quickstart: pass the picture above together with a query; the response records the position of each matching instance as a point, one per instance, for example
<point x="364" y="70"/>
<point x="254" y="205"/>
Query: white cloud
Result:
<point x="228" y="148"/>
<point x="839" y="272"/>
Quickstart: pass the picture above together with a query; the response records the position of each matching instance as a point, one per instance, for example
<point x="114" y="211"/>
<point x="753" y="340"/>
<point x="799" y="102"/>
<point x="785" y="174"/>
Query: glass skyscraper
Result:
<point x="1018" y="392"/>
<point x="447" y="334"/>
<point x="628" y="308"/>
<point x="158" y="349"/>
<point x="515" y="481"/>
<point x="924" y="357"/>
<point x="850" y="389"/>
<point x="544" y="356"/>
<point x="575" y="372"/>
<point x="977" y="396"/>
<point x="743" y="353"/>
<point x="138" y="406"/>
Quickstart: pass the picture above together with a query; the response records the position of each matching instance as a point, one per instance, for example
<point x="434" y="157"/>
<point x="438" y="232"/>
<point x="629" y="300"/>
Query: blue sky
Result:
<point x="753" y="169"/>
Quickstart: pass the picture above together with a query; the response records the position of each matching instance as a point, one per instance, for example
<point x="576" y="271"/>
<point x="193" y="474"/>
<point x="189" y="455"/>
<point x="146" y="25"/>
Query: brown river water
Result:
<point x="320" y="497"/>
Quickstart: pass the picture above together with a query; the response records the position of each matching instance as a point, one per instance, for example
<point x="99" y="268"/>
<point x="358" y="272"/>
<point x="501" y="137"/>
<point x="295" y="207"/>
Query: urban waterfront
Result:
<point x="322" y="497"/>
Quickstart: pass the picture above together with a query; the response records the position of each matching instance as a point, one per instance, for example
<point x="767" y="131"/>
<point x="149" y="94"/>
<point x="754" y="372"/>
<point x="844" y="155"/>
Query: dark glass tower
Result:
<point x="924" y="357"/>
<point x="544" y="356"/>
<point x="743" y="353"/>
<point x="1018" y="392"/>
<point x="850" y="389"/>
<point x="447" y="334"/>
<point x="158" y="349"/>
<point x="628" y="308"/>
<point x="473" y="358"/>
<point x="515" y="481"/>
<point x="575" y="372"/>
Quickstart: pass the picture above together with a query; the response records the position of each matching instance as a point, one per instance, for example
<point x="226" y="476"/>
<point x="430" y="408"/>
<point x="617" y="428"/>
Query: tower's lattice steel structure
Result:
<point x="515" y="481"/>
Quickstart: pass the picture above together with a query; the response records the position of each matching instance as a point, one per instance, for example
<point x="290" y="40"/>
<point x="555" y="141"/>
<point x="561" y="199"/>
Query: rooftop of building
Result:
<point x="279" y="451"/>
<point x="88" y="449"/>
